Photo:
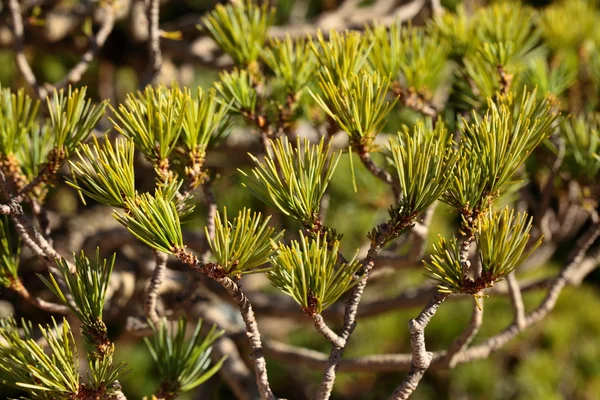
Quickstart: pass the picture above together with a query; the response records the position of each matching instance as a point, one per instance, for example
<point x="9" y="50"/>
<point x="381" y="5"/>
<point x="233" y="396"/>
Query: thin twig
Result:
<point x="465" y="338"/>
<point x="516" y="300"/>
<point x="47" y="306"/>
<point x="156" y="59"/>
<point x="19" y="48"/>
<point x="327" y="332"/>
<point x="96" y="43"/>
<point x="421" y="358"/>
<point x="158" y="275"/>
<point x="237" y="294"/>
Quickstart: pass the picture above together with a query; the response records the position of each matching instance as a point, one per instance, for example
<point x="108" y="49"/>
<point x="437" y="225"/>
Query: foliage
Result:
<point x="73" y="117"/>
<point x="240" y="29"/>
<point x="154" y="220"/>
<point x="502" y="241"/>
<point x="425" y="160"/>
<point x="493" y="148"/>
<point x="309" y="272"/>
<point x="292" y="61"/>
<point x="10" y="253"/>
<point x="237" y="88"/>
<point x="153" y="120"/>
<point x="105" y="173"/>
<point x="582" y="135"/>
<point x="343" y="54"/>
<point x="293" y="180"/>
<point x="17" y="119"/>
<point x="86" y="287"/>
<point x="205" y="120"/>
<point x="182" y="364"/>
<point x="27" y="366"/>
<point x="356" y="102"/>
<point x="243" y="245"/>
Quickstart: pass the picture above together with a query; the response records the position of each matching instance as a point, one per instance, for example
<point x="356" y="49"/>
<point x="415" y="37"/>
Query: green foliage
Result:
<point x="309" y="272"/>
<point x="342" y="54"/>
<point x="567" y="24"/>
<point x="237" y="89"/>
<point x="205" y="120"/>
<point x="45" y="375"/>
<point x="10" y="253"/>
<point x="458" y="30"/>
<point x="357" y="103"/>
<point x="551" y="79"/>
<point x="182" y="364"/>
<point x="87" y="287"/>
<point x="17" y="119"/>
<point x="502" y="242"/>
<point x="493" y="148"/>
<point x="414" y="57"/>
<point x="509" y="27"/>
<point x="425" y="160"/>
<point x="73" y="117"/>
<point x="34" y="150"/>
<point x="582" y="137"/>
<point x="153" y="120"/>
<point x="240" y="29"/>
<point x="293" y="180"/>
<point x="104" y="373"/>
<point x="292" y="61"/>
<point x="105" y="173"/>
<point x="243" y="245"/>
<point x="154" y="220"/>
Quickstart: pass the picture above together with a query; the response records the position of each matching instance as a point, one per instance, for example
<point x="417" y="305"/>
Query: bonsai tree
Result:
<point x="497" y="127"/>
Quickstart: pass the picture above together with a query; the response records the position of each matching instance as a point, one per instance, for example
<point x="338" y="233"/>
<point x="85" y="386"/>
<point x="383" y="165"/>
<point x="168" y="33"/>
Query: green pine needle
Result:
<point x="495" y="146"/>
<point x="425" y="160"/>
<point x="292" y="61"/>
<point x="293" y="180"/>
<point x="445" y="267"/>
<point x="342" y="54"/>
<point x="308" y="271"/>
<point x="87" y="287"/>
<point x="237" y="89"/>
<point x="154" y="220"/>
<point x="182" y="364"/>
<point x="240" y="29"/>
<point x="357" y="103"/>
<point x="73" y="117"/>
<point x="206" y="119"/>
<point x="47" y="371"/>
<point x="502" y="242"/>
<point x="243" y="245"/>
<point x="153" y="120"/>
<point x="105" y="173"/>
<point x="17" y="119"/>
<point x="10" y="253"/>
<point x="582" y="142"/>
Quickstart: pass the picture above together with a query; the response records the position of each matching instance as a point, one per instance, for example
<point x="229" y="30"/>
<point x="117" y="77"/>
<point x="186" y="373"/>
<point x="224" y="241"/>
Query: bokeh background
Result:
<point x="557" y="359"/>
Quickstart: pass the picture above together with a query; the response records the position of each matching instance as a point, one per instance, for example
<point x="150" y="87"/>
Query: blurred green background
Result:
<point x="557" y="359"/>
